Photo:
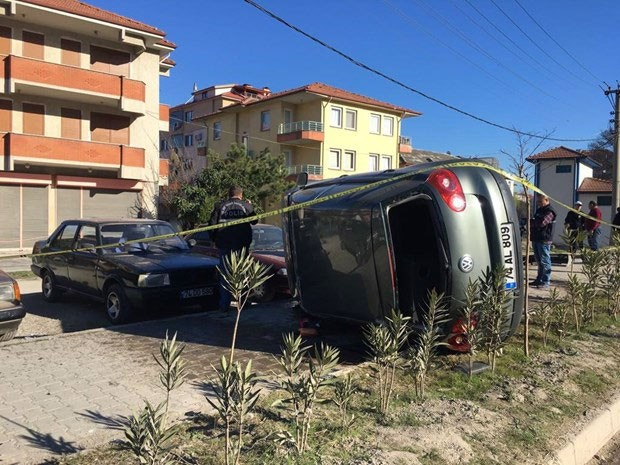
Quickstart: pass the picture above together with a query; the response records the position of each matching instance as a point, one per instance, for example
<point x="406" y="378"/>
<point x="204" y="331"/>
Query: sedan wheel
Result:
<point x="48" y="287"/>
<point x="117" y="305"/>
<point x="263" y="293"/>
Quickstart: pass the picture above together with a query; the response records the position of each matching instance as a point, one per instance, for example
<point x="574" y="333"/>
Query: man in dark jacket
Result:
<point x="541" y="231"/>
<point x="231" y="238"/>
<point x="574" y="223"/>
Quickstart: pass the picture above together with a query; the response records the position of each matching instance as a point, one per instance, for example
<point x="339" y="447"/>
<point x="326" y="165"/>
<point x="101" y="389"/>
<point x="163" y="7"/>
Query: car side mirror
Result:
<point x="191" y="242"/>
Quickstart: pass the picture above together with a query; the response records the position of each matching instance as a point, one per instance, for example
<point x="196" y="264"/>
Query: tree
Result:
<point x="601" y="151"/>
<point x="523" y="171"/>
<point x="262" y="177"/>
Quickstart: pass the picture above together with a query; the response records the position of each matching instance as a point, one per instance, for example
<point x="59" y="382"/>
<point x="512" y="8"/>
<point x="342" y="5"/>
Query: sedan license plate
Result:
<point x="200" y="292"/>
<point x="507" y="238"/>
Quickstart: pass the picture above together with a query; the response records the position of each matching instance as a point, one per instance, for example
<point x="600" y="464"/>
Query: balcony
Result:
<point x="404" y="144"/>
<point x="315" y="172"/>
<point x="36" y="77"/>
<point x="128" y="162"/>
<point x="301" y="132"/>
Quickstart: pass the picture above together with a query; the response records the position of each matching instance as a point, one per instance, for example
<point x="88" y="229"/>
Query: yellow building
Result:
<point x="322" y="130"/>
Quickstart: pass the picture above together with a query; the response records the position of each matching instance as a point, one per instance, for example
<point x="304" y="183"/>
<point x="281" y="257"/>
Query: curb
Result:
<point x="591" y="439"/>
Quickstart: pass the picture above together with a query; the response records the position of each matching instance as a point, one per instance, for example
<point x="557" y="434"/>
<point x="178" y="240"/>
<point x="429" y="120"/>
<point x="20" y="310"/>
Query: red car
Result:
<point x="267" y="247"/>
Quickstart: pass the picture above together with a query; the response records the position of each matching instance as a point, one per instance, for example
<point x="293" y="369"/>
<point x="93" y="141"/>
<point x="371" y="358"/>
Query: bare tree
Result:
<point x="526" y="147"/>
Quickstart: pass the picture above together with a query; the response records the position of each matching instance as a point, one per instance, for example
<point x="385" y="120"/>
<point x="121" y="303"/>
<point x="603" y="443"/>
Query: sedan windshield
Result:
<point x="128" y="237"/>
<point x="267" y="238"/>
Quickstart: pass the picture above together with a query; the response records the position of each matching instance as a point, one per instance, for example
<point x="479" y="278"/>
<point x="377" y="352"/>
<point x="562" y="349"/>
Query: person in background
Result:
<point x="573" y="223"/>
<point x="541" y="235"/>
<point x="616" y="222"/>
<point x="592" y="226"/>
<point x="231" y="238"/>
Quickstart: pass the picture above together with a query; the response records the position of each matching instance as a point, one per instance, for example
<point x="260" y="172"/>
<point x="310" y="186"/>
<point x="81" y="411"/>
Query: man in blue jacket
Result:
<point x="541" y="231"/>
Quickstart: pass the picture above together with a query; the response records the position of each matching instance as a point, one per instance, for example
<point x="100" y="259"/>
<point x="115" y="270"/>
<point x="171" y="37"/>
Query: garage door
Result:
<point x="34" y="214"/>
<point x="100" y="203"/>
<point x="68" y="205"/>
<point x="9" y="212"/>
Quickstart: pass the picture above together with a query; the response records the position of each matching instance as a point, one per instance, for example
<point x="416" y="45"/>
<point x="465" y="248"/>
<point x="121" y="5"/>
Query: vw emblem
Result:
<point x="466" y="263"/>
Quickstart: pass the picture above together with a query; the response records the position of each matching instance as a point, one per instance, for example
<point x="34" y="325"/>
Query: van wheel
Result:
<point x="263" y="293"/>
<point x="117" y="305"/>
<point x="48" y="287"/>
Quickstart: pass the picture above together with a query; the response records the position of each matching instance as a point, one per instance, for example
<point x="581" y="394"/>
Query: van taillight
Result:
<point x="449" y="187"/>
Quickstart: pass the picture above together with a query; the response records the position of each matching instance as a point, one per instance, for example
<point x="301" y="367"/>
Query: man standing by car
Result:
<point x="593" y="225"/>
<point x="574" y="223"/>
<point x="231" y="238"/>
<point x="542" y="235"/>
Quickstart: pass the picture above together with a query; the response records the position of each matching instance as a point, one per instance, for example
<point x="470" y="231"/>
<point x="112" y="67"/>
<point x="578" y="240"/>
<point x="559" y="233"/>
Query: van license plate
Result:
<point x="510" y="261"/>
<point x="200" y="292"/>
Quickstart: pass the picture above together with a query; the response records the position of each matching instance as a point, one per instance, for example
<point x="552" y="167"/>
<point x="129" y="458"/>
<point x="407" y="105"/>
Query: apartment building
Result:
<point x="79" y="116"/>
<point x="320" y="129"/>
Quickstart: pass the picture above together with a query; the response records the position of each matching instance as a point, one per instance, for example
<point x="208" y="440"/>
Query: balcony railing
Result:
<point x="287" y="128"/>
<point x="404" y="140"/>
<point x="312" y="170"/>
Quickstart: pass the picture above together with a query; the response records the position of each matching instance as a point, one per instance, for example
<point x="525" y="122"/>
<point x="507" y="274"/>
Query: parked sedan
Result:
<point x="118" y="265"/>
<point x="11" y="309"/>
<point x="358" y="256"/>
<point x="267" y="247"/>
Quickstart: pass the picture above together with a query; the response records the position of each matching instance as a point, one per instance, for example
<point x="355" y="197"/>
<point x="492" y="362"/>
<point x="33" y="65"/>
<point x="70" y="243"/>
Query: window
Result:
<point x="176" y="120"/>
<point x="288" y="157"/>
<point x="350" y="119"/>
<point x="563" y="168"/>
<point x="334" y="159"/>
<point x="32" y="45"/>
<point x="189" y="115"/>
<point x="113" y="129"/>
<point x="288" y="116"/>
<point x="87" y="237"/>
<point x="348" y="160"/>
<point x="70" y="123"/>
<point x="176" y="141"/>
<point x="163" y="145"/>
<point x="385" y="162"/>
<point x="5" y="40"/>
<point x="336" y="117"/>
<point x="70" y="52"/>
<point x="6" y="110"/>
<point x="189" y="140"/>
<point x="265" y="120"/>
<point x="603" y="200"/>
<point x="373" y="162"/>
<point x="109" y="61"/>
<point x="33" y="115"/>
<point x="64" y="240"/>
<point x="375" y="123"/>
<point x="217" y="130"/>
<point x="388" y="126"/>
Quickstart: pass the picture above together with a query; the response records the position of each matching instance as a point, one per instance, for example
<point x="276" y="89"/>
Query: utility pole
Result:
<point x="615" y="192"/>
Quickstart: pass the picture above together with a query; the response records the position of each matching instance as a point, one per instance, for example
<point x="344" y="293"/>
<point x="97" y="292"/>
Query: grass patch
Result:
<point x="590" y="381"/>
<point x="22" y="275"/>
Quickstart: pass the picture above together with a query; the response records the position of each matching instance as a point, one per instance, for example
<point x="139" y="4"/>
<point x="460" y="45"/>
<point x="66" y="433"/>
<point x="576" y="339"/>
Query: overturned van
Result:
<point x="396" y="236"/>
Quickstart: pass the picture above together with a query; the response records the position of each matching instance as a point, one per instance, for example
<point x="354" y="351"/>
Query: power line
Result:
<point x="501" y="43"/>
<point x="536" y="44"/>
<point x="433" y="12"/>
<point x="401" y="84"/>
<point x="555" y="41"/>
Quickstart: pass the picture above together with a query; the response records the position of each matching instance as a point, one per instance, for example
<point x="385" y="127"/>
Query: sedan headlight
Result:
<point x="7" y="292"/>
<point x="282" y="272"/>
<point x="153" y="280"/>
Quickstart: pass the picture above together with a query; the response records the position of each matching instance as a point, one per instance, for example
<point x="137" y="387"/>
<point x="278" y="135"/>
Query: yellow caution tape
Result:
<point x="308" y="203"/>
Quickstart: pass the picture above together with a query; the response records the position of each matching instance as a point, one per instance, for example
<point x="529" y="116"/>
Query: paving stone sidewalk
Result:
<point x="62" y="394"/>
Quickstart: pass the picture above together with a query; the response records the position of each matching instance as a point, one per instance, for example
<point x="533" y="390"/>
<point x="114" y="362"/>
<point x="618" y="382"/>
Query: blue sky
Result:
<point x="486" y="57"/>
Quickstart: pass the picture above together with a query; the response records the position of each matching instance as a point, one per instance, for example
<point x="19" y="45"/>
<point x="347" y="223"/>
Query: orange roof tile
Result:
<point x="329" y="91"/>
<point x="555" y="153"/>
<point x="595" y="185"/>
<point x="88" y="11"/>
